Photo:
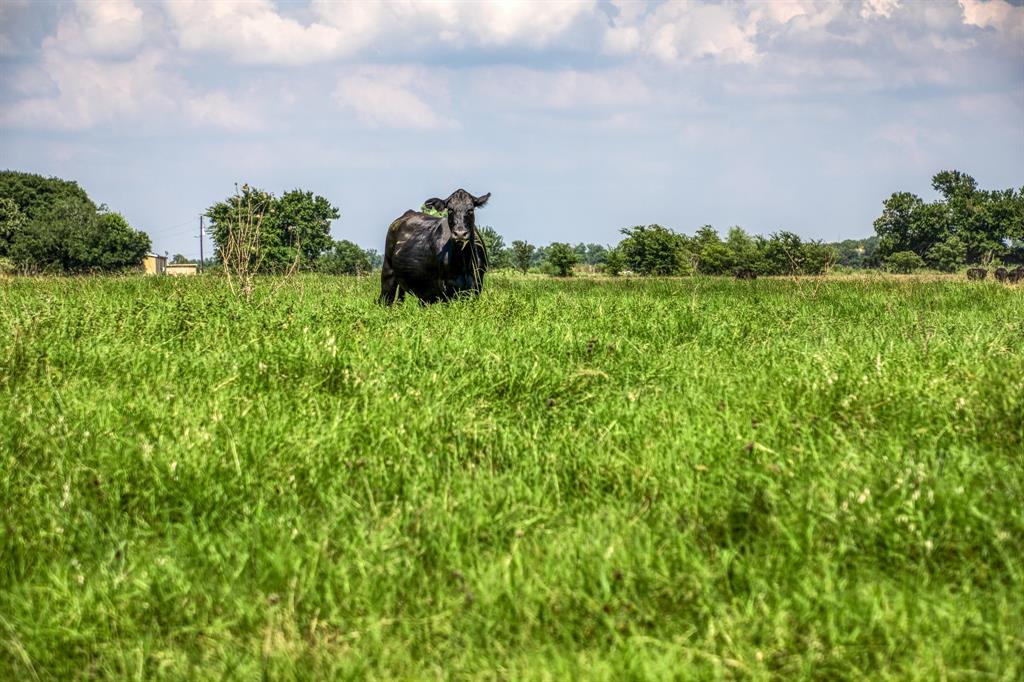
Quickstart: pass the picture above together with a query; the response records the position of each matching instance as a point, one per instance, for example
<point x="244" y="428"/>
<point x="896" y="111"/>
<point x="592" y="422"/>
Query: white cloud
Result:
<point x="253" y="32"/>
<point x="100" y="28"/>
<point x="393" y="97"/>
<point x="996" y="14"/>
<point x="871" y="9"/>
<point x="564" y="89"/>
<point x="452" y="25"/>
<point x="256" y="32"/>
<point x="85" y="93"/>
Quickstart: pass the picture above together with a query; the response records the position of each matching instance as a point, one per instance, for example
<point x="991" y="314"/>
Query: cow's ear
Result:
<point x="435" y="204"/>
<point x="480" y="201"/>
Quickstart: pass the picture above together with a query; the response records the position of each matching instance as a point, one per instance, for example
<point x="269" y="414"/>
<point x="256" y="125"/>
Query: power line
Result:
<point x="164" y="230"/>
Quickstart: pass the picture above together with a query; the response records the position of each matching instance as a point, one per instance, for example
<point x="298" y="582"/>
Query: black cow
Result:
<point x="435" y="258"/>
<point x="1016" y="275"/>
<point x="1001" y="274"/>
<point x="745" y="273"/>
<point x="977" y="273"/>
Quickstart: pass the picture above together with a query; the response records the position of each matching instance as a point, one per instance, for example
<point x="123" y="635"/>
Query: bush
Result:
<point x="51" y="225"/>
<point x="904" y="262"/>
<point x="522" y="255"/>
<point x="346" y="258"/>
<point x="613" y="262"/>
<point x="654" y="250"/>
<point x="561" y="257"/>
<point x="947" y="255"/>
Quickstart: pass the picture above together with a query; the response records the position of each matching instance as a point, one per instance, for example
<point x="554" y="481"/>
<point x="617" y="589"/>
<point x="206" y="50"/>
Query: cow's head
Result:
<point x="459" y="206"/>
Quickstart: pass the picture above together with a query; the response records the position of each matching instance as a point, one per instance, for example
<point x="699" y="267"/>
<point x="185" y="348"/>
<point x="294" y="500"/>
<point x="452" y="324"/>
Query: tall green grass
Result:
<point x="623" y="479"/>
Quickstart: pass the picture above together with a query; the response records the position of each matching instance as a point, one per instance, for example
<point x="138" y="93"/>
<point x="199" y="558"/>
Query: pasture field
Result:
<point x="658" y="479"/>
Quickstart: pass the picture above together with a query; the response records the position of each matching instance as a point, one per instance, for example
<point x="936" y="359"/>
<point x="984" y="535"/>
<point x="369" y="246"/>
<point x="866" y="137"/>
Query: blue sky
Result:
<point x="580" y="118"/>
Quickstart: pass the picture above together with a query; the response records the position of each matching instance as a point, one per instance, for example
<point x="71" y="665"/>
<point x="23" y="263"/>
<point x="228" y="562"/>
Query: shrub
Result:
<point x="561" y="257"/>
<point x="904" y="262"/>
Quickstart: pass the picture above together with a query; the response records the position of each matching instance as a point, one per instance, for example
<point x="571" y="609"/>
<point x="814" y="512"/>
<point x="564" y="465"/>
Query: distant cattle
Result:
<point x="1016" y="275"/>
<point x="1001" y="274"/>
<point x="435" y="258"/>
<point x="745" y="273"/>
<point x="977" y="273"/>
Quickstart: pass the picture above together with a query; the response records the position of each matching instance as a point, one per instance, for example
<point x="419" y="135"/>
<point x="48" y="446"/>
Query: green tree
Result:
<point x="497" y="255"/>
<point x="947" y="255"/>
<point x="856" y="253"/>
<point x="179" y="258"/>
<point x="904" y="262"/>
<point x="654" y="250"/>
<point x="985" y="223"/>
<point x="817" y="258"/>
<point x="743" y="249"/>
<point x="522" y="255"/>
<point x="346" y="258"/>
<point x="561" y="257"/>
<point x="37" y="196"/>
<point x="614" y="262"/>
<point x="782" y="254"/>
<point x="296" y="226"/>
<point x="108" y="243"/>
<point x="908" y="224"/>
<point x="303" y="219"/>
<point x="12" y="221"/>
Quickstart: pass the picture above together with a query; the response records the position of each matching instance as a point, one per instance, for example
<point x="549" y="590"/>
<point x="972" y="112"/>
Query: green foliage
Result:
<point x="904" y="262"/>
<point x="619" y="480"/>
<point x="614" y="262"/>
<point x="590" y="254"/>
<point x="51" y="225"/>
<point x="560" y="258"/>
<point x="108" y="243"/>
<point x="654" y="250"/>
<point x="817" y="258"/>
<point x="745" y="250"/>
<point x="12" y="221"/>
<point x="713" y="257"/>
<point x="946" y="255"/>
<point x="346" y="258"/>
<point x="36" y="196"/>
<point x="857" y="253"/>
<point x="497" y="254"/>
<point x="522" y="255"/>
<point x="982" y="222"/>
<point x="179" y="259"/>
<point x="293" y="228"/>
<point x="304" y="219"/>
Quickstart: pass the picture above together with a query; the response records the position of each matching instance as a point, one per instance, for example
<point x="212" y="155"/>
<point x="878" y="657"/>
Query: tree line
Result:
<point x="51" y="225"/>
<point x="965" y="226"/>
<point x="48" y="225"/>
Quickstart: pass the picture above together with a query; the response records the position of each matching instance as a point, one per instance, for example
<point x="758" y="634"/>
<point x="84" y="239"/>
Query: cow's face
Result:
<point x="460" y="207"/>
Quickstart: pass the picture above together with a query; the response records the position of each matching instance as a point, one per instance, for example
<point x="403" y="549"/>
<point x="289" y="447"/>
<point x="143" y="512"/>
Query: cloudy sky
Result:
<point x="579" y="117"/>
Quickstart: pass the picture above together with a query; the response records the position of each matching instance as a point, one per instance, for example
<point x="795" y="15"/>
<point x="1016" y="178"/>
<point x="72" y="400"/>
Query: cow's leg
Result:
<point x="390" y="290"/>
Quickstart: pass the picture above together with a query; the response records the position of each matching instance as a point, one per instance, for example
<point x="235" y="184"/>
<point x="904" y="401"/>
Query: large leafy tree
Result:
<point x="51" y="225"/>
<point x="346" y="258"/>
<point x="522" y="255"/>
<point x="12" y="221"/>
<point x="744" y="250"/>
<point x="294" y="227"/>
<point x="654" y="250"/>
<point x="37" y="196"/>
<point x="497" y="254"/>
<point x="977" y="223"/>
<point x="303" y="220"/>
<point x="561" y="257"/>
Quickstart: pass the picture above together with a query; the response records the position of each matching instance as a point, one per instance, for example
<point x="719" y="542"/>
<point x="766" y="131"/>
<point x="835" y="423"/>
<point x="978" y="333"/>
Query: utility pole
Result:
<point x="200" y="242"/>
